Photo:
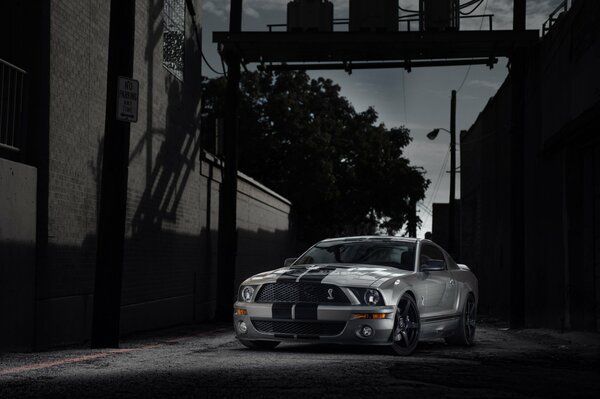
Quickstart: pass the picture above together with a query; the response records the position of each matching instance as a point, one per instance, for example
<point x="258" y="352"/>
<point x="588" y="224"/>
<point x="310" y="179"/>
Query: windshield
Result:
<point x="383" y="253"/>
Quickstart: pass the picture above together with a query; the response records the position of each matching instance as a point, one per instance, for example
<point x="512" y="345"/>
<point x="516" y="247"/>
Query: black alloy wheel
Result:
<point x="465" y="333"/>
<point x="405" y="335"/>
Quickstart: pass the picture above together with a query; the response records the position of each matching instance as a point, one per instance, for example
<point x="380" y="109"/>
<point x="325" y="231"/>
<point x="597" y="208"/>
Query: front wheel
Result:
<point x="260" y="345"/>
<point x="405" y="335"/>
<point x="465" y="333"/>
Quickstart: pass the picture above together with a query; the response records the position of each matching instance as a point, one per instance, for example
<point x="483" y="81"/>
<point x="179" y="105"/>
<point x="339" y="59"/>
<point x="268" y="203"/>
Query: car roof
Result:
<point x="373" y="238"/>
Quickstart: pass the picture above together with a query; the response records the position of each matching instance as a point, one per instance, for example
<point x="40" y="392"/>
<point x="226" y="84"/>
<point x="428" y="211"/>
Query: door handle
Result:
<point x="452" y="283"/>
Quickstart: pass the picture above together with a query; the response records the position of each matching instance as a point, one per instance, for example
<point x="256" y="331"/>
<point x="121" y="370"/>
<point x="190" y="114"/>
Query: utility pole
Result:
<point x="451" y="202"/>
<point x="227" y="245"/>
<point x="518" y="73"/>
<point x="411" y="225"/>
<point x="113" y="197"/>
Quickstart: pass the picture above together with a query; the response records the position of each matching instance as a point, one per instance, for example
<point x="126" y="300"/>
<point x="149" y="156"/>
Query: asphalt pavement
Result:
<point x="207" y="361"/>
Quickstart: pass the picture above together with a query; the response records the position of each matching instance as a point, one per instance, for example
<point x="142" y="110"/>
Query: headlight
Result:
<point x="371" y="297"/>
<point x="247" y="294"/>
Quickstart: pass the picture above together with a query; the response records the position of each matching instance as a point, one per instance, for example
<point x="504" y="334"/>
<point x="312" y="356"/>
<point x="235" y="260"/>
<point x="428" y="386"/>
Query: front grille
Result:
<point x="302" y="292"/>
<point x="299" y="327"/>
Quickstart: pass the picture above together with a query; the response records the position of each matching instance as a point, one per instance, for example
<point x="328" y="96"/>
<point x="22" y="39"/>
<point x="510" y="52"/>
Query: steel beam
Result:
<point x="348" y="67"/>
<point x="267" y="47"/>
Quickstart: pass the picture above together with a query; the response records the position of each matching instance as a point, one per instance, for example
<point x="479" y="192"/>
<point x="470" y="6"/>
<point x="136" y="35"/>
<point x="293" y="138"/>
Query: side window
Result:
<point x="174" y="36"/>
<point x="431" y="254"/>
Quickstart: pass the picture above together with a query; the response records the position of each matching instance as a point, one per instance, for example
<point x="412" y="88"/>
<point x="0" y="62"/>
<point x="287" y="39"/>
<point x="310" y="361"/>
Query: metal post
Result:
<point x="451" y="202"/>
<point x="412" y="219"/>
<point x="227" y="242"/>
<point x="113" y="200"/>
<point x="518" y="78"/>
<point x="519" y="14"/>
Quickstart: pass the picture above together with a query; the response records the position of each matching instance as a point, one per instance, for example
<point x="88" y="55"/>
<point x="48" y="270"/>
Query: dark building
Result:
<point x="53" y="60"/>
<point x="561" y="172"/>
<point x="440" y="227"/>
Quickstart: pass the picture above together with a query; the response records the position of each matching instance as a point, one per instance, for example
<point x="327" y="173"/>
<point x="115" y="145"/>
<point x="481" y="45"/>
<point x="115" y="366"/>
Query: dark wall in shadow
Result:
<point x="172" y="210"/>
<point x="561" y="175"/>
<point x="18" y="185"/>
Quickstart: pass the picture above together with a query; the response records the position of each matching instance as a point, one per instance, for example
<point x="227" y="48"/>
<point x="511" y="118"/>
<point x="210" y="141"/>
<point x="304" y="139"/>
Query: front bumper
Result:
<point x="326" y="315"/>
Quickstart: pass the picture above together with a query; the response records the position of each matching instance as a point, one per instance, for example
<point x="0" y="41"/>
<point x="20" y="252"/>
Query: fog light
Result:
<point x="365" y="331"/>
<point x="242" y="327"/>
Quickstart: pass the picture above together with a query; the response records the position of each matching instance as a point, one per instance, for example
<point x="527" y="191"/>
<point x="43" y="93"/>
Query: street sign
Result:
<point x="127" y="99"/>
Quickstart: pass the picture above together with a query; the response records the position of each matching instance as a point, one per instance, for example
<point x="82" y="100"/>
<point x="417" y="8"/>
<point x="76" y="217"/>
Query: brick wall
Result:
<point x="172" y="208"/>
<point x="171" y="277"/>
<point x="77" y="85"/>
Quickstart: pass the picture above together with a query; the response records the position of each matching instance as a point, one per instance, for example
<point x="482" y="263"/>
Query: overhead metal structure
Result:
<point x="457" y="48"/>
<point x="432" y="45"/>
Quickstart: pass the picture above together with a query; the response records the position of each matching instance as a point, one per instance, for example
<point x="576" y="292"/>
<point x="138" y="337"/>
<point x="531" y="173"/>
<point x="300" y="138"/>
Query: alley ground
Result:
<point x="208" y="362"/>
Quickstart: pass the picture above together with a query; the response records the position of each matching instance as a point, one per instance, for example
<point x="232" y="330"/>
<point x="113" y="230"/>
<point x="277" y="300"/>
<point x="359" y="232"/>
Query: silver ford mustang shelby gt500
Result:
<point x="360" y="290"/>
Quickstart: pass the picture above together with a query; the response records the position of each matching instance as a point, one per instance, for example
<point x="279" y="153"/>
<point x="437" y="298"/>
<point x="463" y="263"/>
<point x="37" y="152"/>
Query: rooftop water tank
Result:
<point x="373" y="15"/>
<point x="439" y="15"/>
<point x="310" y="16"/>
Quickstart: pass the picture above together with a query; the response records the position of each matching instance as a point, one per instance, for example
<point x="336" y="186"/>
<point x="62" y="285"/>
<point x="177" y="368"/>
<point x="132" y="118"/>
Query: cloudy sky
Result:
<point x="419" y="100"/>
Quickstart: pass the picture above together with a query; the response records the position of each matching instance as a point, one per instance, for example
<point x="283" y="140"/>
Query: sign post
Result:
<point x="121" y="110"/>
<point x="127" y="99"/>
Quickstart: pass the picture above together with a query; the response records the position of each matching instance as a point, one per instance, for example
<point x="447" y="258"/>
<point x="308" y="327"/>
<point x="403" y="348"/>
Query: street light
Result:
<point x="434" y="133"/>
<point x="451" y="203"/>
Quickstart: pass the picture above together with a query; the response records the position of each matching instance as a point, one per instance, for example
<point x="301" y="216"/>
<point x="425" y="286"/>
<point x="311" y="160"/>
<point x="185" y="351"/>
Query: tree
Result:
<point x="344" y="172"/>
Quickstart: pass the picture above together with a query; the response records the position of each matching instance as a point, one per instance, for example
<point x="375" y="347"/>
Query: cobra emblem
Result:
<point x="330" y="292"/>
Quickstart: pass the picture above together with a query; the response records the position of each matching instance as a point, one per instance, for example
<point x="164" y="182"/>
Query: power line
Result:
<point x="405" y="10"/>
<point x="440" y="178"/>
<point x="469" y="68"/>
<point x="437" y="184"/>
<point x="192" y="11"/>
<point x="403" y="80"/>
<point x="424" y="208"/>
<point x="210" y="66"/>
<point x="473" y="9"/>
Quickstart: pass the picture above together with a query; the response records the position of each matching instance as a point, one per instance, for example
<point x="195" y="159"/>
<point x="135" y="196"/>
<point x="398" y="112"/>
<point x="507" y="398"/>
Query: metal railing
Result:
<point x="12" y="103"/>
<point x="407" y="19"/>
<point x="554" y="16"/>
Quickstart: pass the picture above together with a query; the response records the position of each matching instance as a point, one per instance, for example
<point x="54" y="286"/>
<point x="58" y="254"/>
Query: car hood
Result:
<point x="347" y="275"/>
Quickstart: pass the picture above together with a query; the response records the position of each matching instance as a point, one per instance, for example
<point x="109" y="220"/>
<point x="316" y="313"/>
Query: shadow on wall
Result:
<point x="169" y="274"/>
<point x="17" y="295"/>
<point x="173" y="285"/>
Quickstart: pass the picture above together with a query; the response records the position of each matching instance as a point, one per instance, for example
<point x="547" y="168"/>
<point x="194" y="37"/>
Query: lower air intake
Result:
<point x="299" y="327"/>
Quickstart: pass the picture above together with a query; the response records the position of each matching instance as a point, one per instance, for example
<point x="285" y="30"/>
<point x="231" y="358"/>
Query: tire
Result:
<point x="407" y="326"/>
<point x="465" y="333"/>
<point x="259" y="345"/>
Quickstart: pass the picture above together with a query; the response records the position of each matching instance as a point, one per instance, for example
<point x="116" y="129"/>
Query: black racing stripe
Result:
<point x="316" y="275"/>
<point x="282" y="310"/>
<point x="291" y="275"/>
<point x="306" y="311"/>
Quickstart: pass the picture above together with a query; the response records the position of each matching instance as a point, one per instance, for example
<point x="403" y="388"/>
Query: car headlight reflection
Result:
<point x="247" y="293"/>
<point x="372" y="297"/>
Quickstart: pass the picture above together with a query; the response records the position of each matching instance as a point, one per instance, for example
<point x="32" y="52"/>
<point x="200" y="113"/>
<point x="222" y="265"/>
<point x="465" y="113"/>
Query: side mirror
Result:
<point x="289" y="261"/>
<point x="433" y="266"/>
